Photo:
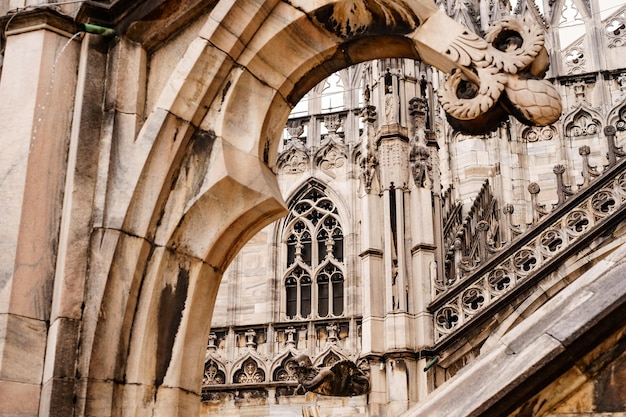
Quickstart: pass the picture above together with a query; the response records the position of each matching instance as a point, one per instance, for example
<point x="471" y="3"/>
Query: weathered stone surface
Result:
<point x="34" y="160"/>
<point x="22" y="347"/>
<point x="57" y="397"/>
<point x="19" y="399"/>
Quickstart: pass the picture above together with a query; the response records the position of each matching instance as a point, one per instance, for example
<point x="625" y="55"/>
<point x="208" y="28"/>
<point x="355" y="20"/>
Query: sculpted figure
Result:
<point x="343" y="379"/>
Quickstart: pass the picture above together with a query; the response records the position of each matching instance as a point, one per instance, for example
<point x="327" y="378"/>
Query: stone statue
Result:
<point x="343" y="379"/>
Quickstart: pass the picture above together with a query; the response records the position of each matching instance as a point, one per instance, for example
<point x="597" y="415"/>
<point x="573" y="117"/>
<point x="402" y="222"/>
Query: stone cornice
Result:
<point x="371" y="252"/>
<point x="39" y="19"/>
<point x="423" y="246"/>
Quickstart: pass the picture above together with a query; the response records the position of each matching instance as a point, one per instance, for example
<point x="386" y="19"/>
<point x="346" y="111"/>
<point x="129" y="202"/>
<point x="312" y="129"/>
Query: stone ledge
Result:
<point x="39" y="19"/>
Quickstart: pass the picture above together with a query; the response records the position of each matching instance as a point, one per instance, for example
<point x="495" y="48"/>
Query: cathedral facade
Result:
<point x="197" y="193"/>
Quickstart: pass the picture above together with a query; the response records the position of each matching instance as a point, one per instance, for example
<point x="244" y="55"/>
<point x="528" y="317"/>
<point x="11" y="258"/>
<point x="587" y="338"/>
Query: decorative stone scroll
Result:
<point x="489" y="78"/>
<point x="500" y="76"/>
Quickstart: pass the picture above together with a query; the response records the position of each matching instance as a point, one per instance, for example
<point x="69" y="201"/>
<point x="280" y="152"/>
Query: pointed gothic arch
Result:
<point x="199" y="184"/>
<point x="314" y="262"/>
<point x="583" y="121"/>
<point x="281" y="370"/>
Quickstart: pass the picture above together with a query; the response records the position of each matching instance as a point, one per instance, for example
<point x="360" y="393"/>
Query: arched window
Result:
<point x="314" y="277"/>
<point x="332" y="94"/>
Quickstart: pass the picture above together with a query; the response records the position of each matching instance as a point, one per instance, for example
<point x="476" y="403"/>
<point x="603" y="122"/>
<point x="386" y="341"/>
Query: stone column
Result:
<point x="38" y="89"/>
<point x="423" y="223"/>
<point x="372" y="275"/>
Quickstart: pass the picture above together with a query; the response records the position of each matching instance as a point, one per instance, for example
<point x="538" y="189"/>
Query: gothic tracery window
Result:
<point x="250" y="373"/>
<point x="314" y="278"/>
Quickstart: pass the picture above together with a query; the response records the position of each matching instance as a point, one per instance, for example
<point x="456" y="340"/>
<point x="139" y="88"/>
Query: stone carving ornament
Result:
<point x="343" y="379"/>
<point x="505" y="77"/>
<point x="489" y="78"/>
<point x="616" y="29"/>
<point x="606" y="200"/>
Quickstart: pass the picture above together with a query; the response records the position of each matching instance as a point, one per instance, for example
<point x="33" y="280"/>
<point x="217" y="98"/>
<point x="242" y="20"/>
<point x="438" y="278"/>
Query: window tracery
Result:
<point x="615" y="29"/>
<point x="314" y="278"/>
<point x="249" y="373"/>
<point x="583" y="124"/>
<point x="212" y="374"/>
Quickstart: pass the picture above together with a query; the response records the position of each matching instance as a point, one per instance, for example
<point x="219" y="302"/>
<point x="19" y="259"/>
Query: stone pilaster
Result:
<point x="39" y="77"/>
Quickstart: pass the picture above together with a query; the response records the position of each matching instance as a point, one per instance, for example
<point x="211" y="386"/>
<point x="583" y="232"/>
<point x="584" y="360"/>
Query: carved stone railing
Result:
<point x="576" y="220"/>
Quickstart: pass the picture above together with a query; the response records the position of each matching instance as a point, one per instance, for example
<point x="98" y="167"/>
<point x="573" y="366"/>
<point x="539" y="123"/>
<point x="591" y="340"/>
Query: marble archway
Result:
<point x="200" y="183"/>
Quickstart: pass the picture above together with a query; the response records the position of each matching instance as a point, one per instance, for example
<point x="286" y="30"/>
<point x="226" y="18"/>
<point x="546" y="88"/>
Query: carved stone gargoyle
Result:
<point x="342" y="379"/>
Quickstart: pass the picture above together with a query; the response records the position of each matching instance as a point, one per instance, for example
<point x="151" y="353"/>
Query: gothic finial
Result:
<point x="539" y="210"/>
<point x="563" y="190"/>
<point x="589" y="172"/>
<point x="614" y="150"/>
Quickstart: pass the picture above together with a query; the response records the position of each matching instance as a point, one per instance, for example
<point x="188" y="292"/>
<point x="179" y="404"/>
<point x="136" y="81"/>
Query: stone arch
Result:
<point x="582" y="122"/>
<point x="214" y="372"/>
<point x="617" y="116"/>
<point x="202" y="185"/>
<point x="280" y="370"/>
<point x="329" y="356"/>
<point x="248" y="369"/>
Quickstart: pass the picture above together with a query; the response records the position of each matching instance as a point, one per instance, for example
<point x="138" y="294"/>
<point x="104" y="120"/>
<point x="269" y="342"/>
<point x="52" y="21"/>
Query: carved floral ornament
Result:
<point x="489" y="78"/>
<point x="536" y="133"/>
